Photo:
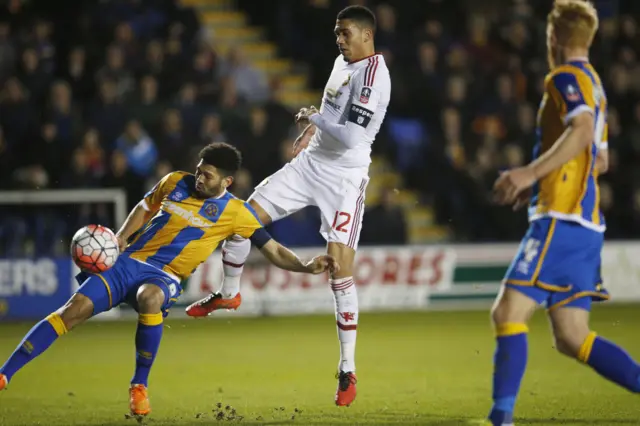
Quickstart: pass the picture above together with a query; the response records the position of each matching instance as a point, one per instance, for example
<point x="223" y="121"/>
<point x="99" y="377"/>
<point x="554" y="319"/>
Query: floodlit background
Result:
<point x="99" y="99"/>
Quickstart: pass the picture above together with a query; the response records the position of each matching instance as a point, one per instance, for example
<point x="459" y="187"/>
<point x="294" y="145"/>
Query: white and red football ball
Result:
<point x="94" y="248"/>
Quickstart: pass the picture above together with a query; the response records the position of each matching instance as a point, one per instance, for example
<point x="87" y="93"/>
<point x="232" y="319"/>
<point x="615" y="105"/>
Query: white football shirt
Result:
<point x="354" y="105"/>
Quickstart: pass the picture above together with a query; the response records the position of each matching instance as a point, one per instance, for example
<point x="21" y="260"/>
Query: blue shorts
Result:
<point x="558" y="264"/>
<point x="121" y="282"/>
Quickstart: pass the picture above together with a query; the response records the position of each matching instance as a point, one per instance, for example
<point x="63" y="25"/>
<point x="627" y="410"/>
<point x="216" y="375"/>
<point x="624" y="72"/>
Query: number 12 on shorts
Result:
<point x="340" y="221"/>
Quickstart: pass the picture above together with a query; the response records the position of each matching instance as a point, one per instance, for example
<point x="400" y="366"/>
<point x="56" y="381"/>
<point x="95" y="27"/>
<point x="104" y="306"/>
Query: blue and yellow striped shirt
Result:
<point x="571" y="192"/>
<point x="185" y="230"/>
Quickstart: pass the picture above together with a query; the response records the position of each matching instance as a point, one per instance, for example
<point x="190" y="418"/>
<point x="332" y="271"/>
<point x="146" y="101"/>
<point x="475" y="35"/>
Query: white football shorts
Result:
<point x="338" y="192"/>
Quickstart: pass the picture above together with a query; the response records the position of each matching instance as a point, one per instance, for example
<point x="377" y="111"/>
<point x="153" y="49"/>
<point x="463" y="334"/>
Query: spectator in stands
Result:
<point x="106" y="113"/>
<point x="251" y="84"/>
<point x="125" y="40"/>
<point x="78" y="76"/>
<point x="243" y="184"/>
<point x="33" y="76"/>
<point x="145" y="105"/>
<point x="50" y="153"/>
<point x="114" y="70"/>
<point x="139" y="148"/>
<point x="172" y="141"/>
<point x="63" y="113"/>
<point x="7" y="163"/>
<point x="16" y="115"/>
<point x="7" y="53"/>
<point x="202" y="74"/>
<point x="211" y="130"/>
<point x="120" y="176"/>
<point x="384" y="223"/>
<point x="44" y="47"/>
<point x="190" y="109"/>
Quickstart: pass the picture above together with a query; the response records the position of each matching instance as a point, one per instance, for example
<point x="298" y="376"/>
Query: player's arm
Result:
<point x="303" y="140"/>
<point x="574" y="94"/>
<point x="137" y="217"/>
<point x="146" y="208"/>
<point x="365" y="93"/>
<point x="248" y="225"/>
<point x="577" y="137"/>
<point x="602" y="160"/>
<point x="286" y="259"/>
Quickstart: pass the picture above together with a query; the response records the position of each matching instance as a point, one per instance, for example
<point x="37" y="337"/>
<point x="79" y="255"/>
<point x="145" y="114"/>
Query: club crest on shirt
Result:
<point x="572" y="94"/>
<point x="365" y="95"/>
<point x="211" y="210"/>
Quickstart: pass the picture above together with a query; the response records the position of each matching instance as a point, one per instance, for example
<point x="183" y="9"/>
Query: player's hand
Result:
<point x="512" y="183"/>
<point x="122" y="243"/>
<point x="320" y="264"/>
<point x="522" y="199"/>
<point x="302" y="117"/>
<point x="303" y="140"/>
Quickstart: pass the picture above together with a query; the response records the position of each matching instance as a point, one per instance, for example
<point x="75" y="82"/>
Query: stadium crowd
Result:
<point x="117" y="93"/>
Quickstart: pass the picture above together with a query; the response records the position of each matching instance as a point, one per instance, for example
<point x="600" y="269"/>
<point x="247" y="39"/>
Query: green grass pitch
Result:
<point x="429" y="368"/>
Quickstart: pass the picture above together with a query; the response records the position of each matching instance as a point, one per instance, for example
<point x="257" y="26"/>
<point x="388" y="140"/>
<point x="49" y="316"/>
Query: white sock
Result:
<point x="234" y="254"/>
<point x="346" y="297"/>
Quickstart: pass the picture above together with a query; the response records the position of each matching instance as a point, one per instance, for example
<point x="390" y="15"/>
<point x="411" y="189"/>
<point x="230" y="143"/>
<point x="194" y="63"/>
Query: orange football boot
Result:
<point x="213" y="302"/>
<point x="4" y="382"/>
<point x="346" y="392"/>
<point x="139" y="400"/>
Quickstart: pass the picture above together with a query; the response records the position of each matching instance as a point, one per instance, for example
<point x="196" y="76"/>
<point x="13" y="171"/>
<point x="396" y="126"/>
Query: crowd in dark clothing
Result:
<point x="466" y="82"/>
<point x="118" y="93"/>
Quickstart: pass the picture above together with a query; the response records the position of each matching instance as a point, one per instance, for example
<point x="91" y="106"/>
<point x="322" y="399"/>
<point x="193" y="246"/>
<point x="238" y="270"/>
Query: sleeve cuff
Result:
<point x="316" y="119"/>
<point x="577" y="111"/>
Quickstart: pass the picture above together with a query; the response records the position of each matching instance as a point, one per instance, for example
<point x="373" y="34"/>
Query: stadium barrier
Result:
<point x="389" y="278"/>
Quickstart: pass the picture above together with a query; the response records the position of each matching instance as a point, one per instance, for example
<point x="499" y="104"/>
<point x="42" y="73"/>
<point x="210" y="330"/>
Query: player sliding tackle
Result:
<point x="558" y="263"/>
<point x="181" y="221"/>
<point x="331" y="173"/>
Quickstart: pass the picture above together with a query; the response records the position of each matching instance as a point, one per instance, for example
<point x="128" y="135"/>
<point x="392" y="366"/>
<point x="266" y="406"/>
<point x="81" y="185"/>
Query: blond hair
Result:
<point x="574" y="22"/>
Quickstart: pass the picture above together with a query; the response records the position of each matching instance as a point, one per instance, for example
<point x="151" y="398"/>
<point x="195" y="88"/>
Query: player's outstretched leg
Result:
<point x="510" y="315"/>
<point x="234" y="253"/>
<point x="346" y="298"/>
<point x="77" y="310"/>
<point x="574" y="338"/>
<point x="150" y="299"/>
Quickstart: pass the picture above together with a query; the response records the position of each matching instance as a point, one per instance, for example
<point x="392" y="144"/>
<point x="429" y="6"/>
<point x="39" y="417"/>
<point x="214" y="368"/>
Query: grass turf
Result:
<point x="431" y="368"/>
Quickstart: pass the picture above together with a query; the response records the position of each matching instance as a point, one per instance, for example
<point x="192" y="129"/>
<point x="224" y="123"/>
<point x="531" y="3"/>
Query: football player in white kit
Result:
<point x="330" y="171"/>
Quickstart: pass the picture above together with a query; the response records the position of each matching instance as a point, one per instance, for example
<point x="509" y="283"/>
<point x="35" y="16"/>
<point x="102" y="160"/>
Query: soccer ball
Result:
<point x="94" y="248"/>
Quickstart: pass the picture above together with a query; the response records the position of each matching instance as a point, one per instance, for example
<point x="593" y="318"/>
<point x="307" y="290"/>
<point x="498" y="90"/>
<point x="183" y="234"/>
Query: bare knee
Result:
<point x="345" y="256"/>
<point x="511" y="306"/>
<point x="570" y="330"/>
<point x="568" y="343"/>
<point x="150" y="299"/>
<point x="76" y="311"/>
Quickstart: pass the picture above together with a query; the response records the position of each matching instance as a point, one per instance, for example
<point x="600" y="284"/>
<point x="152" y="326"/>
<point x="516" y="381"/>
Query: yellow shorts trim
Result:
<point x="578" y="296"/>
<point x="554" y="287"/>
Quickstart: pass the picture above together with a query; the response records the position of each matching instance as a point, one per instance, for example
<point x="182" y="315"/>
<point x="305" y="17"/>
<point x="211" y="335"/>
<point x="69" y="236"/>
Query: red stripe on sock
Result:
<point x="346" y="327"/>
<point x="235" y="265"/>
<point x="342" y="286"/>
